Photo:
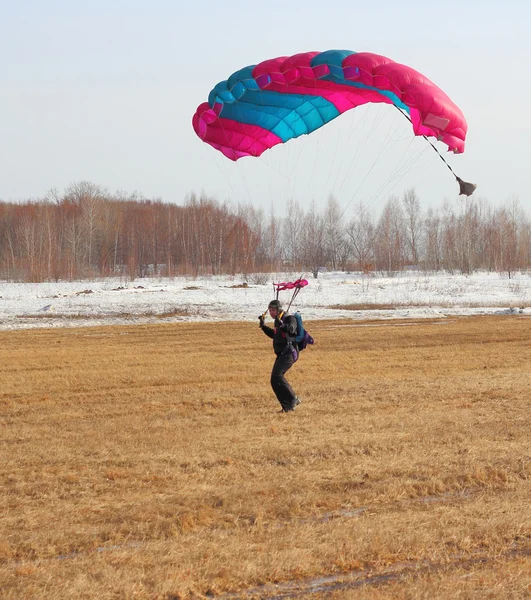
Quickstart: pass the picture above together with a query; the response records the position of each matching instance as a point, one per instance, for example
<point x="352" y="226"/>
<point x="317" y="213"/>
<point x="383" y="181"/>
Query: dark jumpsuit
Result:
<point x="283" y="336"/>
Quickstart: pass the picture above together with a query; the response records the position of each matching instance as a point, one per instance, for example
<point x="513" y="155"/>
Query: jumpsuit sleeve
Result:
<point x="268" y="331"/>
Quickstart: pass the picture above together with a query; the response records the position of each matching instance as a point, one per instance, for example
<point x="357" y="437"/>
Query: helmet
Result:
<point x="275" y="304"/>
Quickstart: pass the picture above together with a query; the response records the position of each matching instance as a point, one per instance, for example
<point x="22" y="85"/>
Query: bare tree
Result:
<point x="88" y="232"/>
<point x="510" y="220"/>
<point x="390" y="237"/>
<point x="413" y="221"/>
<point x="88" y="197"/>
<point x="468" y="235"/>
<point x="273" y="240"/>
<point x="292" y="227"/>
<point x="334" y="233"/>
<point x="313" y="242"/>
<point x="433" y="240"/>
<point x="362" y="234"/>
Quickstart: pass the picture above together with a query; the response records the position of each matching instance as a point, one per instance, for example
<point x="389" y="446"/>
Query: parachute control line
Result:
<point x="296" y="286"/>
<point x="465" y="188"/>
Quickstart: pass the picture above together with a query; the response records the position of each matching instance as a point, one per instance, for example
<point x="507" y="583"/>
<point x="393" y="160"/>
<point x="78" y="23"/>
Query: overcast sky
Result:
<point x="105" y="91"/>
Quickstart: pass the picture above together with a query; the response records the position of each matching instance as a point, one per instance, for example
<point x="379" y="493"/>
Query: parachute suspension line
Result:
<point x="361" y="123"/>
<point x="465" y="188"/>
<point x="223" y="171"/>
<point x="333" y="158"/>
<point x="317" y="150"/>
<point x="237" y="165"/>
<point x="290" y="157"/>
<point x="244" y="183"/>
<point x="295" y="294"/>
<point x="385" y="144"/>
<point x="394" y="176"/>
<point x="359" y="148"/>
<point x="393" y="179"/>
<point x="295" y="165"/>
<point x="401" y="169"/>
<point x="353" y="128"/>
<point x="387" y="140"/>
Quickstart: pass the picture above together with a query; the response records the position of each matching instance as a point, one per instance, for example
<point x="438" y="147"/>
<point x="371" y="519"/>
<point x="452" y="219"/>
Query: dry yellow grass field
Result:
<point x="151" y="462"/>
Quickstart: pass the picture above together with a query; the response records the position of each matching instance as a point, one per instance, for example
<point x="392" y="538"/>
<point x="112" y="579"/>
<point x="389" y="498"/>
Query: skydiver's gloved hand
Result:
<point x="261" y="319"/>
<point x="279" y="324"/>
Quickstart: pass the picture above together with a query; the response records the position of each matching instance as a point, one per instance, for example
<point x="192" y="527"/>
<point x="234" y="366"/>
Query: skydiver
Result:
<point x="283" y="336"/>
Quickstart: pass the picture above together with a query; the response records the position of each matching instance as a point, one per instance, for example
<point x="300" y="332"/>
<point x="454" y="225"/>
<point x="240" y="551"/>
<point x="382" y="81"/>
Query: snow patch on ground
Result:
<point x="411" y="295"/>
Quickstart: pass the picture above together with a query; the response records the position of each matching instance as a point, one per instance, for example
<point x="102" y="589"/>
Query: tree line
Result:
<point x="87" y="232"/>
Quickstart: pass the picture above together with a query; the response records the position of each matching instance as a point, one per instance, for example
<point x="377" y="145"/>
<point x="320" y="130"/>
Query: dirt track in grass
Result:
<point x="150" y="462"/>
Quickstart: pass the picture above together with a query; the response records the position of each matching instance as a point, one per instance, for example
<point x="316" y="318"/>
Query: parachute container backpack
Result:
<point x="303" y="338"/>
<point x="279" y="99"/>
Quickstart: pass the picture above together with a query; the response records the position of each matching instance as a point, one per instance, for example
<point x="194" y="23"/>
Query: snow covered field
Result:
<point x="120" y="301"/>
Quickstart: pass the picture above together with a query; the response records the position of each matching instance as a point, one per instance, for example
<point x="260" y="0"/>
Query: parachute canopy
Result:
<point x="270" y="103"/>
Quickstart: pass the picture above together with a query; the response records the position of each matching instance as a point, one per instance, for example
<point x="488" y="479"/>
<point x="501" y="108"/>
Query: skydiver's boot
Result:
<point x="295" y="402"/>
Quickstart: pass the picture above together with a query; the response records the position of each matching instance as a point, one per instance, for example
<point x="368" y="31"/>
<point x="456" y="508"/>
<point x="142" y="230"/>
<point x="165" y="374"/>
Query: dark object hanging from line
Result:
<point x="465" y="188"/>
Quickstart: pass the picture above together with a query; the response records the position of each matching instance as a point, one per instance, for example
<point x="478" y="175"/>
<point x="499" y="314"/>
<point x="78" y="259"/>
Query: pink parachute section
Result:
<point x="431" y="111"/>
<point x="232" y="138"/>
<point x="290" y="285"/>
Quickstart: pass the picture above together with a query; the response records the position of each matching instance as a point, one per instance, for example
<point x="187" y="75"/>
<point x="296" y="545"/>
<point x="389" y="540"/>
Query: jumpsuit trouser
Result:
<point x="283" y="390"/>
